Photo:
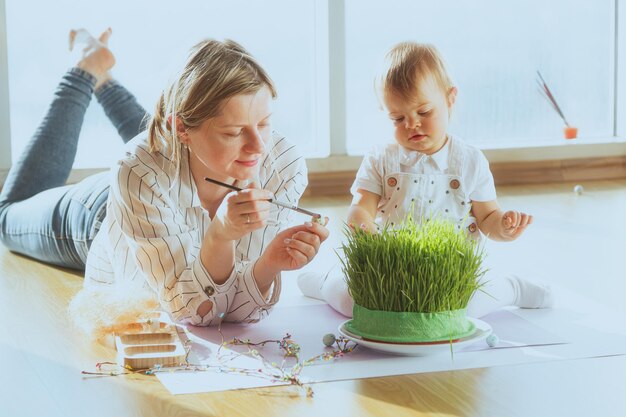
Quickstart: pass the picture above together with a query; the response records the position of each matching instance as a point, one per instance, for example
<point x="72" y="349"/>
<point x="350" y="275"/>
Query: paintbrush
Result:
<point x="547" y="94"/>
<point x="271" y="200"/>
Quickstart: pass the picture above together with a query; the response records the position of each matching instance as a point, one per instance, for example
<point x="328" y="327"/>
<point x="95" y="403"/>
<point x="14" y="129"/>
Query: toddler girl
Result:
<point x="432" y="173"/>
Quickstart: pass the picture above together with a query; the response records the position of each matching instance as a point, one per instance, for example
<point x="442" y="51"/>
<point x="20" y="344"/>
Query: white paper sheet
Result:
<point x="525" y="335"/>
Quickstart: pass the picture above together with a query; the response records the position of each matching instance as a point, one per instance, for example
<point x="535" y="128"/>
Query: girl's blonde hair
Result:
<point x="407" y="64"/>
<point x="214" y="72"/>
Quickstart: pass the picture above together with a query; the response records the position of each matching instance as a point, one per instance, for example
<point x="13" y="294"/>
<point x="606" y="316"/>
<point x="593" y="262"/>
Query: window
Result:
<point x="150" y="39"/>
<point x="323" y="54"/>
<point x="493" y="50"/>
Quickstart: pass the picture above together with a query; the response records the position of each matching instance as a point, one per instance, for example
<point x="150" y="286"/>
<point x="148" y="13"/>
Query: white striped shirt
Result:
<point x="155" y="226"/>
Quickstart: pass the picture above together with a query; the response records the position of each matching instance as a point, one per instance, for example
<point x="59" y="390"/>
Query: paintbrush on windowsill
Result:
<point x="570" y="132"/>
<point x="315" y="216"/>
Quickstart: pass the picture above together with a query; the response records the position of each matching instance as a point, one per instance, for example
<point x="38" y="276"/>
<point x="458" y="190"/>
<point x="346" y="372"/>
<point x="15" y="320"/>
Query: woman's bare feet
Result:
<point x="96" y="59"/>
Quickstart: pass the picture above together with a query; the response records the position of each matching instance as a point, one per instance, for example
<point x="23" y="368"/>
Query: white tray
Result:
<point x="483" y="330"/>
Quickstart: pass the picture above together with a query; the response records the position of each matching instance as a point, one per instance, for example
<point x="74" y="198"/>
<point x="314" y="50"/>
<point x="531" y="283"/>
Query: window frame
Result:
<point x="5" y="127"/>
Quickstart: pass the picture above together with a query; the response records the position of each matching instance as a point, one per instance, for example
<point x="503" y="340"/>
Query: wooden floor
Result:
<point x="577" y="243"/>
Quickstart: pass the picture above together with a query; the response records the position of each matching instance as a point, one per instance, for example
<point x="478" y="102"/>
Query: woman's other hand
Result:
<point x="291" y="249"/>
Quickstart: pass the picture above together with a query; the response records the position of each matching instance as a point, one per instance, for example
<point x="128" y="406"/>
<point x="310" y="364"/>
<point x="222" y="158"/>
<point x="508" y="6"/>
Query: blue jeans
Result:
<point x="40" y="216"/>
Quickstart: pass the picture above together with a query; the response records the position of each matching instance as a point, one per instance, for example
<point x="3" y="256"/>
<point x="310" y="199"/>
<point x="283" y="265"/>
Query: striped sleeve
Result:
<point x="165" y="247"/>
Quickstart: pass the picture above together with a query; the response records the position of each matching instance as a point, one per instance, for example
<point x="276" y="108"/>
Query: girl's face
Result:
<point x="421" y="123"/>
<point x="231" y="145"/>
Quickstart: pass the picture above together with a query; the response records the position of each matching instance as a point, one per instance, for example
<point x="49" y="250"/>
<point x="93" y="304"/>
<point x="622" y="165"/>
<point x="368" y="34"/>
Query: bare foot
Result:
<point x="97" y="59"/>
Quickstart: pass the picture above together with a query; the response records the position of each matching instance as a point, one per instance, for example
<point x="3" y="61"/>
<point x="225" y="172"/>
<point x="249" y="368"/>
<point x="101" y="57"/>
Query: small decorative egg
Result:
<point x="329" y="339"/>
<point x="318" y="219"/>
<point x="578" y="189"/>
<point x="492" y="340"/>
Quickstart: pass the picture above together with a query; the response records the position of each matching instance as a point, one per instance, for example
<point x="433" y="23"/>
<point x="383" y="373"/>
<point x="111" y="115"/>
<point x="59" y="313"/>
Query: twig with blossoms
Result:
<point x="269" y="370"/>
<point x="278" y="373"/>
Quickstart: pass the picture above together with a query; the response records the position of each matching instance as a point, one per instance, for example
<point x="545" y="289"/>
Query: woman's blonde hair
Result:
<point x="407" y="64"/>
<point x="214" y="72"/>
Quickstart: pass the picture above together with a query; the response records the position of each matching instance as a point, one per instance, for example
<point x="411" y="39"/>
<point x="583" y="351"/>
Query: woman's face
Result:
<point x="231" y="145"/>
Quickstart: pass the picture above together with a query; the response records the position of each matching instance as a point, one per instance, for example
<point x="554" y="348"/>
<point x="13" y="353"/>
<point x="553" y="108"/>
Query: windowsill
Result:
<point x="550" y="149"/>
<point x="496" y="153"/>
<point x="554" y="149"/>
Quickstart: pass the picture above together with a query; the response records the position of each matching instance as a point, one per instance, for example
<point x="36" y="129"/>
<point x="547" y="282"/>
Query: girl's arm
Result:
<point x="363" y="210"/>
<point x="497" y="225"/>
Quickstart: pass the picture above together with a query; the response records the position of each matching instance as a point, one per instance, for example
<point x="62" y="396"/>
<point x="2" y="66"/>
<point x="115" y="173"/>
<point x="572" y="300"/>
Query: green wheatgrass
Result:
<point x="425" y="267"/>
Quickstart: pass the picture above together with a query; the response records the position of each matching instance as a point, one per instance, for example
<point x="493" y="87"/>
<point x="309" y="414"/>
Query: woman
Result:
<point x="209" y="254"/>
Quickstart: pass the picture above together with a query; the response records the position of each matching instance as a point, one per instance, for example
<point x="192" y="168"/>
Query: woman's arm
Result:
<point x="218" y="257"/>
<point x="240" y="214"/>
<point x="164" y="242"/>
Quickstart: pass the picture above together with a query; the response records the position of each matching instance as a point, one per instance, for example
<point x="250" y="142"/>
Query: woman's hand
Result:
<point x="303" y="245"/>
<point x="291" y="249"/>
<point x="241" y="213"/>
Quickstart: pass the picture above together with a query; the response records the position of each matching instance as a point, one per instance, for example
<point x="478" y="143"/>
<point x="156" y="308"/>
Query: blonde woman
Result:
<point x="209" y="254"/>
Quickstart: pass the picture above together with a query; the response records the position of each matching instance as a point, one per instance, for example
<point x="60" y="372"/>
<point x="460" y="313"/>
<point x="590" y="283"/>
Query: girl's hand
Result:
<point x="241" y="212"/>
<point x="364" y="227"/>
<point x="514" y="223"/>
<point x="294" y="247"/>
